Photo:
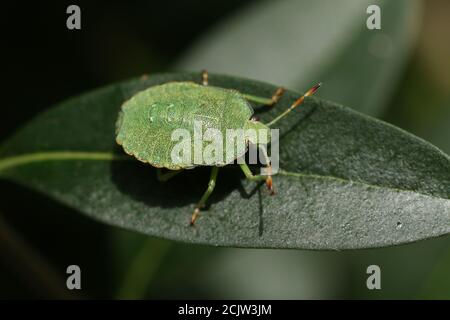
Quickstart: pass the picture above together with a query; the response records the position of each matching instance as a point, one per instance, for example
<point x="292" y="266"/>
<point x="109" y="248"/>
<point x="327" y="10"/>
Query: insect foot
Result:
<point x="194" y="216"/>
<point x="269" y="184"/>
<point x="277" y="95"/>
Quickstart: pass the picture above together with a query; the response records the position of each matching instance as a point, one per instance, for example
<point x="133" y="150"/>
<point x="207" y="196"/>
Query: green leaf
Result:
<point x="347" y="180"/>
<point x="296" y="43"/>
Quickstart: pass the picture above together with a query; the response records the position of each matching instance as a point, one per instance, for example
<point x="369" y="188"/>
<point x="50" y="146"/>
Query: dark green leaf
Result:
<point x="348" y="181"/>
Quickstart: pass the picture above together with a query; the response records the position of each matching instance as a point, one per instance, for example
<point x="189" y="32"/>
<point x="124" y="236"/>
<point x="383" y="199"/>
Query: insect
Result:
<point x="146" y="122"/>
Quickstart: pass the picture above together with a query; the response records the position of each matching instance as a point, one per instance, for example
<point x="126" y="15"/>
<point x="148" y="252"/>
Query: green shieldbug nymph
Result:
<point x="147" y="121"/>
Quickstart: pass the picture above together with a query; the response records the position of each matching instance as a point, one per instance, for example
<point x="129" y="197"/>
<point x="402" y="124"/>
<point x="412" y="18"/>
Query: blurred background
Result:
<point x="400" y="74"/>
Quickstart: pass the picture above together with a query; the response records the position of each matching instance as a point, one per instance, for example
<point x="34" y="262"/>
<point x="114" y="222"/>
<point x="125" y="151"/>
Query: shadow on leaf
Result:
<point x="138" y="180"/>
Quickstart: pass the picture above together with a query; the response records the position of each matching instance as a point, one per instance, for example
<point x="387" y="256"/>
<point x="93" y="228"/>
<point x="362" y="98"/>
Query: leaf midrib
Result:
<point x="27" y="158"/>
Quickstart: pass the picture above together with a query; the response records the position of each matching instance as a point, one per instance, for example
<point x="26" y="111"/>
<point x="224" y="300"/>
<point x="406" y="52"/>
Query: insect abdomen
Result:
<point x="150" y="118"/>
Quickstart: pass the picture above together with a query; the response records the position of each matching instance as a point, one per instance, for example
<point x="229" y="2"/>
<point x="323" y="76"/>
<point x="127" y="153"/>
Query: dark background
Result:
<point x="45" y="63"/>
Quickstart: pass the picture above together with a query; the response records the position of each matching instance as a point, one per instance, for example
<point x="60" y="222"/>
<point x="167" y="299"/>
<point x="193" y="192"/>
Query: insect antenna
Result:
<point x="297" y="102"/>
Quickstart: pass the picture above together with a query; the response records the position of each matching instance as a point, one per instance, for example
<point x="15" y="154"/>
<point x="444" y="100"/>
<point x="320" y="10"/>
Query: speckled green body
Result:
<point x="147" y="120"/>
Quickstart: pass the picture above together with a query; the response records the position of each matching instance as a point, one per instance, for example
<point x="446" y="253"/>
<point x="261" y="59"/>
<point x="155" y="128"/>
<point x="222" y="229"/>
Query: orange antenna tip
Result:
<point x="297" y="102"/>
<point x="313" y="90"/>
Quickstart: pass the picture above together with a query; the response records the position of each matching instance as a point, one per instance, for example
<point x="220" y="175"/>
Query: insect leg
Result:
<point x="167" y="175"/>
<point x="211" y="186"/>
<point x="204" y="77"/>
<point x="266" y="101"/>
<point x="249" y="175"/>
<point x="277" y="95"/>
